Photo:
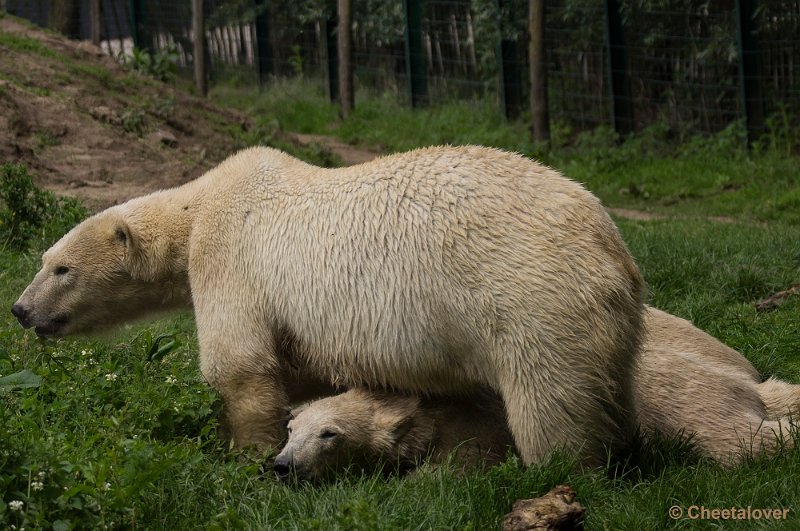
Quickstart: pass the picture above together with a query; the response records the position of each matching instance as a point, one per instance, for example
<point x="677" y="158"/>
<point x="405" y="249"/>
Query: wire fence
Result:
<point x="686" y="64"/>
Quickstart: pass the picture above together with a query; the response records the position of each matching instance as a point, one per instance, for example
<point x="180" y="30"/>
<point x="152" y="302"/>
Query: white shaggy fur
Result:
<point x="433" y="271"/>
<point x="687" y="384"/>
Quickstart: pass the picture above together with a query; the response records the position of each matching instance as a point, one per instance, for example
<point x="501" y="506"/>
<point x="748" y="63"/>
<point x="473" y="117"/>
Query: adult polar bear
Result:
<point x="431" y="271"/>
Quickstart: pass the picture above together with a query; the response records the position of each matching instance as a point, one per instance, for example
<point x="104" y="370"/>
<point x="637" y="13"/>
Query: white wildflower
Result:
<point x="112" y="377"/>
<point x="16" y="505"/>
<point x="107" y="486"/>
<point x="37" y="485"/>
<point x="171" y="380"/>
<point x="42" y="474"/>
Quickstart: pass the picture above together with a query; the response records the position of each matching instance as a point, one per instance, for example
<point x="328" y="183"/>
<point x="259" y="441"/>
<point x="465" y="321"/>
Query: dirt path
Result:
<point x="87" y="127"/>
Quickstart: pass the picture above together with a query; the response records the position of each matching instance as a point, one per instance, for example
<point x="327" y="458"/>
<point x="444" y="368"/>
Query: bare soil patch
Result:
<point x="88" y="127"/>
<point x="349" y="155"/>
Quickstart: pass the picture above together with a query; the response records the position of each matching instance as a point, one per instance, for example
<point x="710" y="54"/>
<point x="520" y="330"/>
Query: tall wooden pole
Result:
<point x="198" y="28"/>
<point x="346" y="96"/>
<point x="94" y="21"/>
<point x="538" y="72"/>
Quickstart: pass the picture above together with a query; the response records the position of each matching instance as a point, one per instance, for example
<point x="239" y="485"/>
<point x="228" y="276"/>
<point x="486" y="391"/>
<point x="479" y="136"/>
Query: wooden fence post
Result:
<point x="508" y="66"/>
<point x="345" y="52"/>
<point x="751" y="95"/>
<point x="415" y="56"/>
<point x="199" y="30"/>
<point x="263" y="49"/>
<point x="95" y="15"/>
<point x="538" y="71"/>
<point x="618" y="78"/>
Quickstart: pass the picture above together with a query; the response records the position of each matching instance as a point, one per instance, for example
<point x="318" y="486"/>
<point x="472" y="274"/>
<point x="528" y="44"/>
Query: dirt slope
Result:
<point x="87" y="127"/>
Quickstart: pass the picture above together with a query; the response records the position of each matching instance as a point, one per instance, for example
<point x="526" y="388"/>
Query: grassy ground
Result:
<point x="121" y="432"/>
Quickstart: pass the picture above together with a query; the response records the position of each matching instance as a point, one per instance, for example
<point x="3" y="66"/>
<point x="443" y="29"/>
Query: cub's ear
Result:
<point x="394" y="417"/>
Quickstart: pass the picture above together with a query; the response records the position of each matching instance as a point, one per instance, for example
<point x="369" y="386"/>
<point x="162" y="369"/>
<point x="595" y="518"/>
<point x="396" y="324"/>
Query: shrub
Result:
<point x="28" y="214"/>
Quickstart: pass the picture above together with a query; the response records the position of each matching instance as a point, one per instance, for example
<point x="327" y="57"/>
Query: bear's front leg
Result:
<point x="238" y="359"/>
<point x="254" y="410"/>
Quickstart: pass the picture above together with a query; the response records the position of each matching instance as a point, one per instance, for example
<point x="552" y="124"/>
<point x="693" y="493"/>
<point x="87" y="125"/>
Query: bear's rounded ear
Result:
<point x="395" y="416"/>
<point x="122" y="234"/>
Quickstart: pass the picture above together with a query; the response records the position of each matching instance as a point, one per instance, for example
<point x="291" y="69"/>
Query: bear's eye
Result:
<point x="289" y="430"/>
<point x="328" y="434"/>
<point x="61" y="270"/>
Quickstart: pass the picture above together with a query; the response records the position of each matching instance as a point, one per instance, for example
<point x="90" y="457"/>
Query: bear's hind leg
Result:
<point x="781" y="399"/>
<point x="557" y="408"/>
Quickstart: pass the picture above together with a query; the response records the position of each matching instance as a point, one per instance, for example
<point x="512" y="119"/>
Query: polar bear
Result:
<point x="372" y="430"/>
<point x="433" y="271"/>
<point x="687" y="384"/>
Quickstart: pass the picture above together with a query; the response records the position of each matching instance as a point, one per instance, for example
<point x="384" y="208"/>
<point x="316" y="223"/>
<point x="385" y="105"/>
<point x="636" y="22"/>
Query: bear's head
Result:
<point x="109" y="269"/>
<point x="358" y="430"/>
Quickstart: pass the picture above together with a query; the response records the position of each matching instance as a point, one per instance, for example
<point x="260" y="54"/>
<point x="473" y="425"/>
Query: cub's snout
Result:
<point x="282" y="467"/>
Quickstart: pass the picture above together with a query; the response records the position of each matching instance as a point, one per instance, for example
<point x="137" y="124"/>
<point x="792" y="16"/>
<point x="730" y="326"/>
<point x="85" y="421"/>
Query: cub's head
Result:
<point x="103" y="272"/>
<point x="356" y="429"/>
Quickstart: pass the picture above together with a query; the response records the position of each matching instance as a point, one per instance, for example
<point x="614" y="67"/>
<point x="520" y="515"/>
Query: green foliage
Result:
<point x="134" y="120"/>
<point x="45" y="139"/>
<point x="30" y="215"/>
<point x="161" y="64"/>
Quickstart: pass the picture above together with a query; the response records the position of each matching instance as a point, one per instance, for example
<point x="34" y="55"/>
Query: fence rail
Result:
<point x="692" y="64"/>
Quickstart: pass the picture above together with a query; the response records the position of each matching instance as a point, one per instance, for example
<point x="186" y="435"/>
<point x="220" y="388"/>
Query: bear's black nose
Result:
<point x="282" y="467"/>
<point x="20" y="313"/>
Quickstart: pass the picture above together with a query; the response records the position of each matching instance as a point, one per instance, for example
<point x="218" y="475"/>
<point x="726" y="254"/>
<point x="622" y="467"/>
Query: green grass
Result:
<point x="123" y="429"/>
<point x="19" y="43"/>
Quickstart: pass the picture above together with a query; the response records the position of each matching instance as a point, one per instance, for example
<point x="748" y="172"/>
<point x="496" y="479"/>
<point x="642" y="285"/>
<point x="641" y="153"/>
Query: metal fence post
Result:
<point x="331" y="55"/>
<point x="752" y="98"/>
<point x="415" y="58"/>
<point x="618" y="77"/>
<point x="509" y="71"/>
<point x="264" y="60"/>
<point x="139" y="33"/>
